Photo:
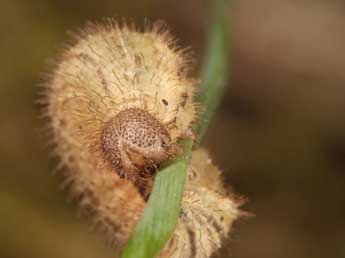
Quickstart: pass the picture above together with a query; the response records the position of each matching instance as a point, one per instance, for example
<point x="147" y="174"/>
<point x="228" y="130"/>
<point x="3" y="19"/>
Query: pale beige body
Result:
<point x="109" y="70"/>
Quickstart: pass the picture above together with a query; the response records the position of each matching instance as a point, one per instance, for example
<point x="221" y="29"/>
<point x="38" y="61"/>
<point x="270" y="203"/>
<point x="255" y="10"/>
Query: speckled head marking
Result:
<point x="134" y="143"/>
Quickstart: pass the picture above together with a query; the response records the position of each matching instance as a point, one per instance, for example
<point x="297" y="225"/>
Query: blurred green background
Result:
<point x="279" y="135"/>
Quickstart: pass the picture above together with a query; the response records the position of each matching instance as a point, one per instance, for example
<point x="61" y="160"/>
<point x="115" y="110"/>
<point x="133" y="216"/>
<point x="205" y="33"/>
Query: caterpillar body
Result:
<point x="118" y="101"/>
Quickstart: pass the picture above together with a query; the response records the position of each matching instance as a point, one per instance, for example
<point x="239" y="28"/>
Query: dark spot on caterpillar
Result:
<point x="121" y="174"/>
<point x="165" y="102"/>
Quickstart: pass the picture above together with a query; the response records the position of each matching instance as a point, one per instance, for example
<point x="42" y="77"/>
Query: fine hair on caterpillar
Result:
<point x="132" y="88"/>
<point x="118" y="101"/>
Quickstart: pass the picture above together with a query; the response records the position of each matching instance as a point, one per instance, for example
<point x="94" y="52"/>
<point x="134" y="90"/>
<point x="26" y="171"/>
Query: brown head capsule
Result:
<point x="135" y="143"/>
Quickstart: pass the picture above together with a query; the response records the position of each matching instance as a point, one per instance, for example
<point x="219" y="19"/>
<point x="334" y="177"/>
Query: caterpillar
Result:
<point x="118" y="100"/>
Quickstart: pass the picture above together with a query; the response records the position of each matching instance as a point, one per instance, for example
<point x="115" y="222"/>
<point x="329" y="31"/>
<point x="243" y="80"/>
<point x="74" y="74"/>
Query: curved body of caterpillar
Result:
<point x="118" y="102"/>
<point x="121" y="99"/>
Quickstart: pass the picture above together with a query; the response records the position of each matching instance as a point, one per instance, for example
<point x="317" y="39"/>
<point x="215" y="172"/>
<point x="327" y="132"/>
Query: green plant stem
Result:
<point x="215" y="69"/>
<point x="162" y="210"/>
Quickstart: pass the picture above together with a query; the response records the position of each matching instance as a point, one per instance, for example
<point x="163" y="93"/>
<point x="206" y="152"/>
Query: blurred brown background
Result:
<point x="279" y="135"/>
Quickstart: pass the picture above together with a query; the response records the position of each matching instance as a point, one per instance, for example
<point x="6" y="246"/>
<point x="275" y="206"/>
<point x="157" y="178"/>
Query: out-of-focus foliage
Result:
<point x="279" y="135"/>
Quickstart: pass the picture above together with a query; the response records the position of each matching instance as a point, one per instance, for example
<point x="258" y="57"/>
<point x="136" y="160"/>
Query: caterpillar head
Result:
<point x="135" y="143"/>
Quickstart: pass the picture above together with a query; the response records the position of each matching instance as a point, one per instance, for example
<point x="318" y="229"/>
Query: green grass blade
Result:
<point x="162" y="210"/>
<point x="215" y="69"/>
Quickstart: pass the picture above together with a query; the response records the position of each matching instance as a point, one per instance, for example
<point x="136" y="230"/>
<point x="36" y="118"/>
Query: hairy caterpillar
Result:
<point x="119" y="100"/>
